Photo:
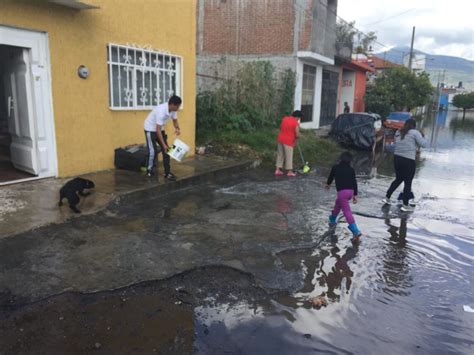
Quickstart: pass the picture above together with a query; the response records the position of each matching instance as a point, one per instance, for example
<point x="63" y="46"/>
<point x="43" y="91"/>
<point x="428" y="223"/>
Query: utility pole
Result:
<point x="410" y="60"/>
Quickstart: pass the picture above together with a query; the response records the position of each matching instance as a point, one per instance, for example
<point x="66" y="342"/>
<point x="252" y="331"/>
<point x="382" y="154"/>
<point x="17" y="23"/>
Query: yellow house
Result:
<point x="79" y="78"/>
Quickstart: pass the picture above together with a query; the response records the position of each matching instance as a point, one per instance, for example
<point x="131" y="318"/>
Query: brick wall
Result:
<point x="306" y="29"/>
<point x="247" y="26"/>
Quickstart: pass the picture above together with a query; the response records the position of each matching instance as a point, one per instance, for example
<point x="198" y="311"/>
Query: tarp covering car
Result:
<point x="358" y="130"/>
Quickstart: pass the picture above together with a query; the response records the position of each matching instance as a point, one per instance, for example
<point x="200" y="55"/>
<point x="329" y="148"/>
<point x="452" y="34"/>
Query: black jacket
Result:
<point x="345" y="177"/>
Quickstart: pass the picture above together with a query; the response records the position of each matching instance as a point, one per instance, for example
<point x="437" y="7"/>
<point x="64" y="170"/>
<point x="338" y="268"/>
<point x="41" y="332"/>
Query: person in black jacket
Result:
<point x="346" y="186"/>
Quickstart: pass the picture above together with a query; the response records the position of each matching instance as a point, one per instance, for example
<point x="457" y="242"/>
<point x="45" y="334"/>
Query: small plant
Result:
<point x="255" y="97"/>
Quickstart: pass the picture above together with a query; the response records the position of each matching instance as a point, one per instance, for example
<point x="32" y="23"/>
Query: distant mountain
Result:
<point x="457" y="69"/>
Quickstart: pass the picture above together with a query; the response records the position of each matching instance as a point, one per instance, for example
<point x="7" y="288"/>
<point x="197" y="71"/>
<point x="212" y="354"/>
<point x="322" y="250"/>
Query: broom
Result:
<point x="306" y="168"/>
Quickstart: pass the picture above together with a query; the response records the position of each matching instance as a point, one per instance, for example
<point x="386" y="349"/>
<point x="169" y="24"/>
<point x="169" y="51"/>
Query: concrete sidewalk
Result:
<point x="29" y="205"/>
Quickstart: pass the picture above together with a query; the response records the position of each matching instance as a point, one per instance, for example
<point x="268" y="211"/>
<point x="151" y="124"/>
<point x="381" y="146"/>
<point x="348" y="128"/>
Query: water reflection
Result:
<point x="404" y="284"/>
<point x="340" y="271"/>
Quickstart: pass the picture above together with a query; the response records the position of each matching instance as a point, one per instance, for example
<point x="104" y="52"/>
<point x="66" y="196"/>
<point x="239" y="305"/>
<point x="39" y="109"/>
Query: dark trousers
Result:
<point x="404" y="172"/>
<point x="152" y="143"/>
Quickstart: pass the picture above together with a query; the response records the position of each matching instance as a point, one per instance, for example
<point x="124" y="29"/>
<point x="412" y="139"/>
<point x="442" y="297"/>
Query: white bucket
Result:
<point x="178" y="150"/>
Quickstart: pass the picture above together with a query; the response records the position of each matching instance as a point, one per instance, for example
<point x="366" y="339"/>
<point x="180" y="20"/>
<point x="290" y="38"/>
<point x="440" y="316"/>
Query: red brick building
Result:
<point x="291" y="34"/>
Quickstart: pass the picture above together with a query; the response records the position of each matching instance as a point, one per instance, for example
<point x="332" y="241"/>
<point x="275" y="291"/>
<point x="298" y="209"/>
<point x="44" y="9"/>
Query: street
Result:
<point x="231" y="267"/>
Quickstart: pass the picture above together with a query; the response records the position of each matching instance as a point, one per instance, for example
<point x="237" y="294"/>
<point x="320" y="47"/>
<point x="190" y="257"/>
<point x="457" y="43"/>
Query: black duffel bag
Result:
<point x="132" y="157"/>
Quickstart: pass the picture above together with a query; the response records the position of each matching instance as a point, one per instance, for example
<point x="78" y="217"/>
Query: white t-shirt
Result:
<point x="159" y="116"/>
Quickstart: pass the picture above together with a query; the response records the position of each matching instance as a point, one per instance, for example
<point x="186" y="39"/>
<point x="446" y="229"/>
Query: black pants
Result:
<point x="152" y="142"/>
<point x="404" y="172"/>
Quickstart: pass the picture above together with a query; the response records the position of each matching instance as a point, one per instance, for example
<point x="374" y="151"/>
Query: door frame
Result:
<point x="37" y="43"/>
<point x="314" y="123"/>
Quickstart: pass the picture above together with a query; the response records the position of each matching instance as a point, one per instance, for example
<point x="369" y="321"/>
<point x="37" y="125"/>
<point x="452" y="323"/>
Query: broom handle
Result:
<point x="301" y="154"/>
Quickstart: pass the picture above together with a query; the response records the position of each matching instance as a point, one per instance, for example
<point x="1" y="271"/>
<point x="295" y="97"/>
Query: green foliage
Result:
<point x="345" y="33"/>
<point x="377" y="100"/>
<point x="464" y="101"/>
<point x="242" y="116"/>
<point x="397" y="90"/>
<point x="365" y="42"/>
<point x="262" y="145"/>
<point x="255" y="97"/>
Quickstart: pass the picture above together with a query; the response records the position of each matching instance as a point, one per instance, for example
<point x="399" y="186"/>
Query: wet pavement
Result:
<point x="26" y="206"/>
<point x="232" y="267"/>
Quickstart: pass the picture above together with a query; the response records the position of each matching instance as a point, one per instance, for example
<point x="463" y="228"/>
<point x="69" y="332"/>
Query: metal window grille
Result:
<point x="140" y="79"/>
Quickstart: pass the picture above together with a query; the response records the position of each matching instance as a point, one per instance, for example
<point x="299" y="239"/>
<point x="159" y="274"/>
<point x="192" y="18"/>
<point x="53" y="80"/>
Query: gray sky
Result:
<point x="442" y="27"/>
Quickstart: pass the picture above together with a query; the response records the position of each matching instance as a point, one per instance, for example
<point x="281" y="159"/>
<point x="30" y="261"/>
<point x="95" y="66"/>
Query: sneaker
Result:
<point x="356" y="239"/>
<point x="278" y="172"/>
<point x="407" y="208"/>
<point x="332" y="220"/>
<point x="291" y="174"/>
<point x="150" y="173"/>
<point x="387" y="201"/>
<point x="170" y="177"/>
<point x="412" y="202"/>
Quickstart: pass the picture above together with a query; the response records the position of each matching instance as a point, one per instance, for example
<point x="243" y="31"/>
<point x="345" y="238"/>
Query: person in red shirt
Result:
<point x="289" y="132"/>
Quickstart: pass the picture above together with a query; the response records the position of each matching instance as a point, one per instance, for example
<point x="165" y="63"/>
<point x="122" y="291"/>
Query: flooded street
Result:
<point x="237" y="264"/>
<point x="402" y="290"/>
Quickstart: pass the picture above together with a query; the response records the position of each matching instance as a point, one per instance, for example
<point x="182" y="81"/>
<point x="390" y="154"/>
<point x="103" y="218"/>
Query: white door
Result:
<point x="21" y="121"/>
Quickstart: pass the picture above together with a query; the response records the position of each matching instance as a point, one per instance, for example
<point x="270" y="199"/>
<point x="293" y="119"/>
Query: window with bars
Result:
<point x="140" y="79"/>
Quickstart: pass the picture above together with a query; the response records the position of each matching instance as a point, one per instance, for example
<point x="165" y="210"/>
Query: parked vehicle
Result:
<point x="393" y="122"/>
<point x="360" y="130"/>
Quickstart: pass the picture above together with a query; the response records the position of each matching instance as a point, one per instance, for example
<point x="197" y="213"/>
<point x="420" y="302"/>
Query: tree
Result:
<point x="398" y="89"/>
<point x="345" y="33"/>
<point x="464" y="101"/>
<point x="365" y="42"/>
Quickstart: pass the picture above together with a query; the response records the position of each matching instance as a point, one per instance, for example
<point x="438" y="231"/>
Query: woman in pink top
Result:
<point x="289" y="132"/>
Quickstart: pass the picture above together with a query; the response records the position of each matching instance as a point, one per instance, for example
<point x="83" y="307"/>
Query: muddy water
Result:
<point x="401" y="291"/>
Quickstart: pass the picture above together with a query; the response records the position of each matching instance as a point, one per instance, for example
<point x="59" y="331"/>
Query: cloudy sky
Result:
<point x="442" y="27"/>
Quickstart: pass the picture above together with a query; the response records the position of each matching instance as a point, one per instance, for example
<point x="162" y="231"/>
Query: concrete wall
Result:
<point x="213" y="70"/>
<point x="87" y="131"/>
<point x="323" y="36"/>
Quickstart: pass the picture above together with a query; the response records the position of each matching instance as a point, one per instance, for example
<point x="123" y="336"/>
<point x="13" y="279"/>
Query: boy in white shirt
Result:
<point x="155" y="134"/>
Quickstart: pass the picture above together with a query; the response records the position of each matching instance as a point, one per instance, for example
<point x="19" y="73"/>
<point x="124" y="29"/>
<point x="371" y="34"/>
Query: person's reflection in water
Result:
<point x="284" y="206"/>
<point x="340" y="271"/>
<point x="395" y="271"/>
<point x="399" y="234"/>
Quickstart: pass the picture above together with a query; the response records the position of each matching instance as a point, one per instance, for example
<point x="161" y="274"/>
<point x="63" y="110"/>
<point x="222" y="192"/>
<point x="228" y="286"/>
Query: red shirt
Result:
<point x="287" y="134"/>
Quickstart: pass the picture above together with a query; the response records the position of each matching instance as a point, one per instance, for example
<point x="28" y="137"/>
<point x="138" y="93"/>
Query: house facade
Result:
<point x="291" y="34"/>
<point x="352" y="85"/>
<point x="79" y="78"/>
<point x="379" y="66"/>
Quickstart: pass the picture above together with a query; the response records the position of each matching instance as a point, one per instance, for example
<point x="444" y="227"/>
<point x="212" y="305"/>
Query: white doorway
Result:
<point x="27" y="136"/>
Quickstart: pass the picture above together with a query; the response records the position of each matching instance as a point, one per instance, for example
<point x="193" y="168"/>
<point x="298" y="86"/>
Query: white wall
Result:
<point x="348" y="90"/>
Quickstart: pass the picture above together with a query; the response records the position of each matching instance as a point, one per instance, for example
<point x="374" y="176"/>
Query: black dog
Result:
<point x="71" y="189"/>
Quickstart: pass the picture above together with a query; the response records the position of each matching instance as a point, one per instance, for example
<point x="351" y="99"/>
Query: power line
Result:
<point x="389" y="18"/>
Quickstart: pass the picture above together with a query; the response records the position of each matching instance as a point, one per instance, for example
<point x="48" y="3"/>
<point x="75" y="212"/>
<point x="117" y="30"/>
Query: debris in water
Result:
<point x="468" y="309"/>
<point x="318" y="301"/>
